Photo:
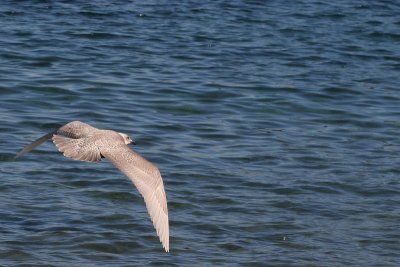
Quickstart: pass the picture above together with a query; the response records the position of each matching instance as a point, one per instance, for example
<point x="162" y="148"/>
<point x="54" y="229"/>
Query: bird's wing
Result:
<point x="147" y="178"/>
<point x="74" y="129"/>
<point x="83" y="149"/>
<point x="34" y="144"/>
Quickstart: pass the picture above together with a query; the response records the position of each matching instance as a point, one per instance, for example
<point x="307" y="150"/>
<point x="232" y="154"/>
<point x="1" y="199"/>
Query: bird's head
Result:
<point x="127" y="139"/>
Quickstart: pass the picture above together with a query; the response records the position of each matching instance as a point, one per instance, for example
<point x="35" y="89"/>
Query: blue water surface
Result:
<point x="275" y="125"/>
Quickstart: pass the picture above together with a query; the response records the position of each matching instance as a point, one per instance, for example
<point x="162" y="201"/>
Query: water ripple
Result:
<point x="277" y="138"/>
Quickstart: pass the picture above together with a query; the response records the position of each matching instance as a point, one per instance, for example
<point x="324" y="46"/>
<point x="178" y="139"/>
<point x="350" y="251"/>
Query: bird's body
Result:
<point x="81" y="141"/>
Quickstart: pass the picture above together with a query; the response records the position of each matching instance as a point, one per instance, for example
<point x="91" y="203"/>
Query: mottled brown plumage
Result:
<point x="83" y="142"/>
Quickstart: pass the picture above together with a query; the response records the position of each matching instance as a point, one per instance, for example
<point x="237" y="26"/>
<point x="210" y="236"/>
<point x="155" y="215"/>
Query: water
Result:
<point x="275" y="126"/>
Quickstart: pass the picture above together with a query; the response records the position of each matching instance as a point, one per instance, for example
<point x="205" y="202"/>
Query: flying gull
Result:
<point x="80" y="141"/>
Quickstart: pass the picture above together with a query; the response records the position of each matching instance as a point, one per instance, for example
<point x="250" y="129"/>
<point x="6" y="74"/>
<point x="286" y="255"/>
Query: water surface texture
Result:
<point x="275" y="125"/>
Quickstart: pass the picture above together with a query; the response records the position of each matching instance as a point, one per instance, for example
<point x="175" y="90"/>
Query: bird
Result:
<point x="80" y="141"/>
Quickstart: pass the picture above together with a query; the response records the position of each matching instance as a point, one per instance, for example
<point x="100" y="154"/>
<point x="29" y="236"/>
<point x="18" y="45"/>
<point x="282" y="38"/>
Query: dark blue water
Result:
<point x="275" y="125"/>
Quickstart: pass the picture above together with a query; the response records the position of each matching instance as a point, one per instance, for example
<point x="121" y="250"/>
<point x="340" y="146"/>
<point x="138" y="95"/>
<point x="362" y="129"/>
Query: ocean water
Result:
<point x="275" y="125"/>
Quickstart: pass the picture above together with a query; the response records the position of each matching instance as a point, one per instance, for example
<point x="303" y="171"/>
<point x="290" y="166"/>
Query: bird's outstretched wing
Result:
<point x="72" y="130"/>
<point x="83" y="149"/>
<point x="147" y="179"/>
<point x="34" y="144"/>
<point x="76" y="129"/>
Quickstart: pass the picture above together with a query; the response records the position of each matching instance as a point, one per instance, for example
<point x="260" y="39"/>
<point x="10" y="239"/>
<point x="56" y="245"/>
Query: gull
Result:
<point x="80" y="141"/>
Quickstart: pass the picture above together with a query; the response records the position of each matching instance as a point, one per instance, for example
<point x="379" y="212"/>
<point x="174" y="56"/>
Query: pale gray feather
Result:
<point x="147" y="179"/>
<point x="76" y="129"/>
<point x="34" y="144"/>
<point x="80" y="149"/>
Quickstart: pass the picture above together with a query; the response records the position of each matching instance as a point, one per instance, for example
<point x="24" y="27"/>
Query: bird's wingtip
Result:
<point x="17" y="156"/>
